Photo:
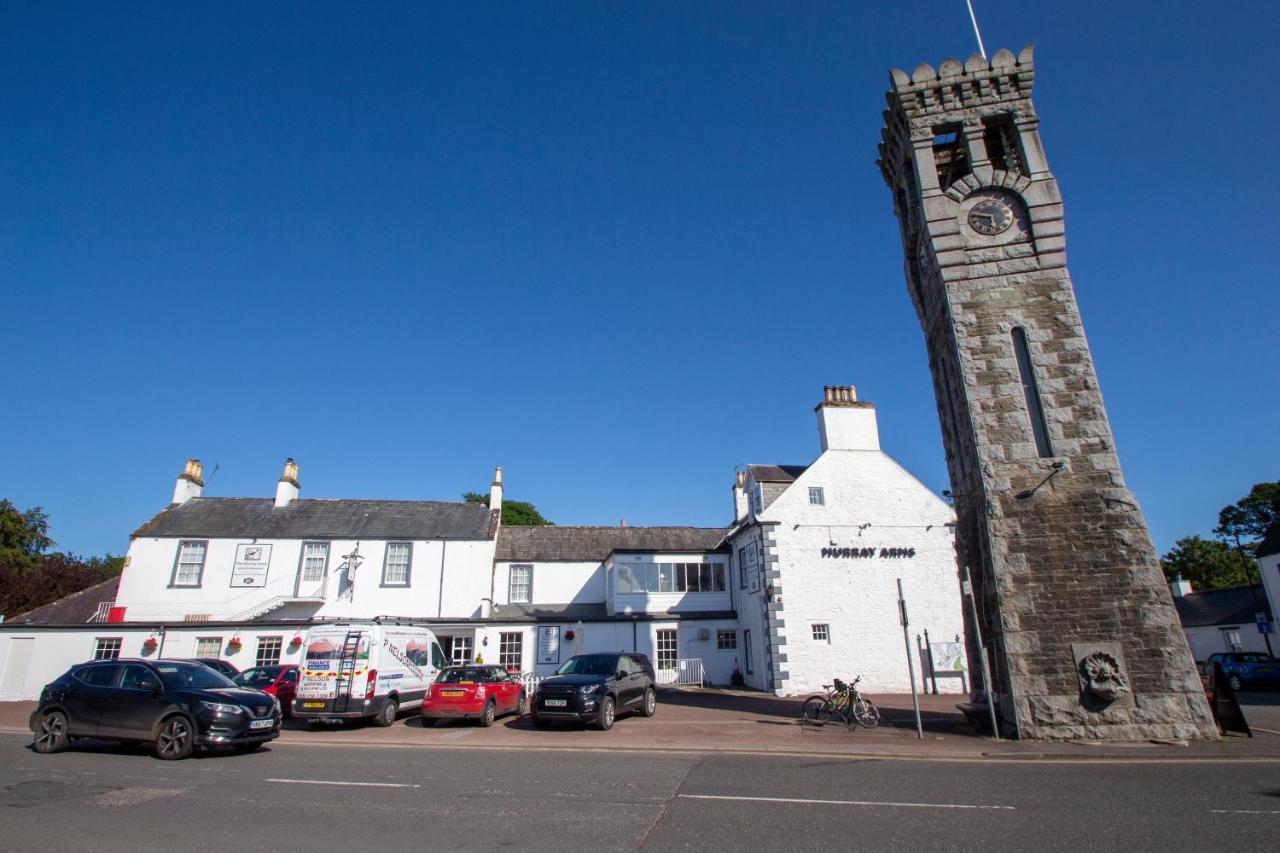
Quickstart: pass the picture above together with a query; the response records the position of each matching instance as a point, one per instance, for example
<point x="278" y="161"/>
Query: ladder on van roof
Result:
<point x="346" y="671"/>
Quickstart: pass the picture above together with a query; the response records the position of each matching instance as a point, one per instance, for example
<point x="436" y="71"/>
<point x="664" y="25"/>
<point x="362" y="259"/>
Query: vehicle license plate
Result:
<point x="261" y="724"/>
<point x="556" y="703"/>
<point x="313" y="704"/>
<point x="452" y="692"/>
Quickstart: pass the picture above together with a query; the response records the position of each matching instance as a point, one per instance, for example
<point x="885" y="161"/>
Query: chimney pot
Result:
<point x="288" y="487"/>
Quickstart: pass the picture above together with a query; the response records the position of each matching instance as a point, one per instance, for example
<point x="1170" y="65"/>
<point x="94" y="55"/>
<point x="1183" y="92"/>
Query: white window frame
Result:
<point x="264" y="645"/>
<point x="511" y="649"/>
<point x="408" y="564"/>
<point x="666" y="648"/>
<point x="308" y="561"/>
<point x="175" y="581"/>
<point x="203" y="643"/>
<point x="817" y="497"/>
<point x="526" y="584"/>
<point x="821" y="632"/>
<point x="726" y="639"/>
<point x="107" y="648"/>
<point x="456" y="645"/>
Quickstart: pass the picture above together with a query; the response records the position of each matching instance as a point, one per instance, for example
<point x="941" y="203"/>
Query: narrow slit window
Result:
<point x="949" y="155"/>
<point x="1034" y="408"/>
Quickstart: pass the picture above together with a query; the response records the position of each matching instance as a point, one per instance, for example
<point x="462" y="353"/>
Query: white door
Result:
<point x="16" y="664"/>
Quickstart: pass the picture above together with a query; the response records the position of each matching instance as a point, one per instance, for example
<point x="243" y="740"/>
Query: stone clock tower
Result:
<point x="1079" y="626"/>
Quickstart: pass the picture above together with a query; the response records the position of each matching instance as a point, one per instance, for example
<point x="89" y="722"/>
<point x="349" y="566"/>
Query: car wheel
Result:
<point x="1236" y="682"/>
<point x="650" y="705"/>
<point x="522" y="704"/>
<point x="51" y="734"/>
<point x="488" y="714"/>
<point x="541" y="722"/>
<point x="176" y="739"/>
<point x="604" y="717"/>
<point x="387" y="716"/>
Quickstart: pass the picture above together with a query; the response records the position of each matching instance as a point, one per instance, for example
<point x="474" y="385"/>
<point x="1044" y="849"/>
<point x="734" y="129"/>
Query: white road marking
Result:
<point x="844" y="802"/>
<point x="340" y="782"/>
<point x="1243" y="811"/>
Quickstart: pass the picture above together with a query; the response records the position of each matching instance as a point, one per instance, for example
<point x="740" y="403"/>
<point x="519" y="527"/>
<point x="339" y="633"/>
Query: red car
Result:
<point x="473" y="692"/>
<point x="280" y="681"/>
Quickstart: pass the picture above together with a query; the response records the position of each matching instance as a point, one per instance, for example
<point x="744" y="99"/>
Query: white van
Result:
<point x="352" y="670"/>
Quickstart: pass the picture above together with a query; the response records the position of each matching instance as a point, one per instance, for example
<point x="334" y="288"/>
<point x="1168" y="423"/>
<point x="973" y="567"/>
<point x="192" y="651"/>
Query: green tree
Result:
<point x="1207" y="563"/>
<point x="23" y="535"/>
<point x="514" y="513"/>
<point x="1246" y="521"/>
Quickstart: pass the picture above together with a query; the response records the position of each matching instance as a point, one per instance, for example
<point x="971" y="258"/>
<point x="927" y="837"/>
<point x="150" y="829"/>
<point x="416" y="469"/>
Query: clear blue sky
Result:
<point x="616" y="248"/>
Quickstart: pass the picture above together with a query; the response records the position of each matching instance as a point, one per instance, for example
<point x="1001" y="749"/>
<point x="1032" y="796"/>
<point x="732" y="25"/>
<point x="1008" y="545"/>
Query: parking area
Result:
<point x="738" y="721"/>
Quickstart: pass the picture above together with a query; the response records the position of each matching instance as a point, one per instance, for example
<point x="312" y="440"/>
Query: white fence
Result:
<point x="686" y="671"/>
<point x="529" y="680"/>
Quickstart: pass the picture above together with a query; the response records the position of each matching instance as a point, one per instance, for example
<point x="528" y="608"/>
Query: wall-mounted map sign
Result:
<point x="866" y="553"/>
<point x="252" y="562"/>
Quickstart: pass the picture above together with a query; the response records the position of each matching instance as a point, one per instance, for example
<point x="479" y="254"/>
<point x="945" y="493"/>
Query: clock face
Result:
<point x="990" y="217"/>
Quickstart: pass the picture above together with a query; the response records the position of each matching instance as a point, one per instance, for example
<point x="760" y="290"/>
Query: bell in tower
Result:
<point x="1079" y="627"/>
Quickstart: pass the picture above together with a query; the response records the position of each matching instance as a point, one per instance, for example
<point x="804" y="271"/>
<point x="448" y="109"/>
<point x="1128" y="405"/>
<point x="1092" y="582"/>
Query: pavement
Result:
<point x="745" y="722"/>
<point x="320" y="796"/>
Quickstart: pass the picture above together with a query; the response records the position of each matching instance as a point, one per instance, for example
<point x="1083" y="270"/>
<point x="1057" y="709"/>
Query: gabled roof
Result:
<point x="595" y="544"/>
<point x="74" y="609"/>
<point x="1270" y="543"/>
<point x="1238" y="605"/>
<point x="776" y="473"/>
<point x="321" y="519"/>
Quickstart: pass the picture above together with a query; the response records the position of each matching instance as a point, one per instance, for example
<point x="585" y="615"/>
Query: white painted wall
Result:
<point x="54" y="652"/>
<point x="1210" y="639"/>
<point x="1269" y="568"/>
<point x="857" y="597"/>
<point x="554" y="583"/>
<point x="748" y="599"/>
<point x="447" y="578"/>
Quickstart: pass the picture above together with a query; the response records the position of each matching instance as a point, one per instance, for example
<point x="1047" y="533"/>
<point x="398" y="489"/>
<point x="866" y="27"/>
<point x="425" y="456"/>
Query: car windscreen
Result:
<point x="257" y="678"/>
<point x="177" y="676"/>
<point x="457" y="676"/>
<point x="589" y="665"/>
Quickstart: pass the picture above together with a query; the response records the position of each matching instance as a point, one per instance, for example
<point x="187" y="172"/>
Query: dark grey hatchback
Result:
<point x="174" y="705"/>
<point x="595" y="689"/>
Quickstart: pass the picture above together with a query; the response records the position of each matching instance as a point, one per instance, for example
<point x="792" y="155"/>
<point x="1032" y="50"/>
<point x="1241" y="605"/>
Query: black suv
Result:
<point x="595" y="689"/>
<point x="176" y="705"/>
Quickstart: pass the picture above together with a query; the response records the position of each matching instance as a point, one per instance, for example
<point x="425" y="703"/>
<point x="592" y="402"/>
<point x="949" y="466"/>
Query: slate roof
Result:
<point x="596" y="612"/>
<point x="74" y="609"/>
<point x="1238" y="605"/>
<point x="321" y="519"/>
<point x="1270" y="543"/>
<point x="594" y="544"/>
<point x="776" y="473"/>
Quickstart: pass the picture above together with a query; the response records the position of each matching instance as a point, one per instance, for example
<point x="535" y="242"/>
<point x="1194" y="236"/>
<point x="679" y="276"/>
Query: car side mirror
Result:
<point x="151" y="686"/>
<point x="622" y="673"/>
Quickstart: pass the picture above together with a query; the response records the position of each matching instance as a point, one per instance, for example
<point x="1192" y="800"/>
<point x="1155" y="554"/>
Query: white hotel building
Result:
<point x="800" y="588"/>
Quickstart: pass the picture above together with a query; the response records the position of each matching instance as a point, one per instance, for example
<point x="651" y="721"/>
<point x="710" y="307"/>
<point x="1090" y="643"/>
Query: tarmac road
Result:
<point x="321" y="797"/>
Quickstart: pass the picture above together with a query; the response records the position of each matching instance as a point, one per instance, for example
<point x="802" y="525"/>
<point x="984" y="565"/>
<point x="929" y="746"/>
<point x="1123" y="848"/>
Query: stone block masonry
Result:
<point x="1056" y="545"/>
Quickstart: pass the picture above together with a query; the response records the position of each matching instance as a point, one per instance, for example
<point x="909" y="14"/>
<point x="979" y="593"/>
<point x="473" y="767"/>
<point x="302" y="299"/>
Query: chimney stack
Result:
<point x="189" y="484"/>
<point x="1179" y="587"/>
<point x="287" y="488"/>
<point x="495" y="490"/>
<point x="623" y="523"/>
<point x="740" y="496"/>
<point x="845" y="422"/>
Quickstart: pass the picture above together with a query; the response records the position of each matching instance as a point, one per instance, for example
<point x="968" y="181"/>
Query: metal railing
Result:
<point x="682" y="671"/>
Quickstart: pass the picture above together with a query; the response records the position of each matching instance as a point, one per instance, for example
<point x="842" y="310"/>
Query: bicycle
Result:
<point x="841" y="701"/>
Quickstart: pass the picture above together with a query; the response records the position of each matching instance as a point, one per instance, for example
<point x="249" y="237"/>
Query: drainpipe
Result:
<point x="440" y="601"/>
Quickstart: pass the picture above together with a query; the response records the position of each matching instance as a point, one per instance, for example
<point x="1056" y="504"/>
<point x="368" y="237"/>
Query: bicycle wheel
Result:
<point x="866" y="714"/>
<point x="816" y="709"/>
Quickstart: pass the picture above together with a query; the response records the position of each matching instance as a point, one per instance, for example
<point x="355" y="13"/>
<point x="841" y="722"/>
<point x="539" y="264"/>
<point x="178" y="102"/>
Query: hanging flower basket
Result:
<point x="568" y="635"/>
<point x="296" y="641"/>
<point x="149" y="645"/>
<point x="234" y="645"/>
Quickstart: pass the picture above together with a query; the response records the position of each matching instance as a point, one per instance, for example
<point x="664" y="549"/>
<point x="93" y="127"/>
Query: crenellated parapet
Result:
<point x="975" y="84"/>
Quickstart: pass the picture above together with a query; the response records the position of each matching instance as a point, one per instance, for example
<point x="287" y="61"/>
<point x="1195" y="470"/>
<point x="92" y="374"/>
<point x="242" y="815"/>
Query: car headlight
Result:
<point x="222" y="708"/>
<point x="588" y="689"/>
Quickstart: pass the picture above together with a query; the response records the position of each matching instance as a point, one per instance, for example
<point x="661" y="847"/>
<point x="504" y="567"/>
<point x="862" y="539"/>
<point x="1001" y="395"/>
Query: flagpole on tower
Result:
<point x="976" y="32"/>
